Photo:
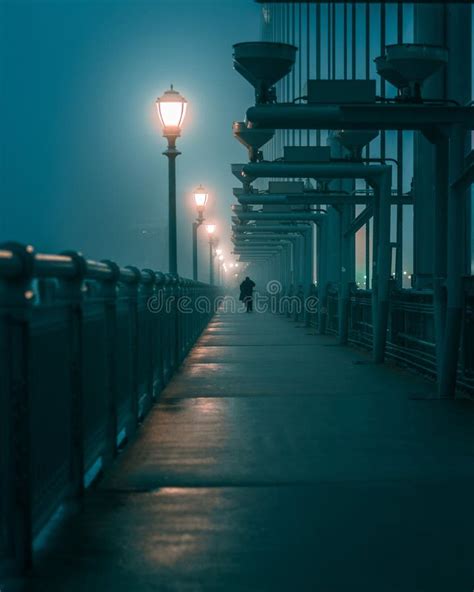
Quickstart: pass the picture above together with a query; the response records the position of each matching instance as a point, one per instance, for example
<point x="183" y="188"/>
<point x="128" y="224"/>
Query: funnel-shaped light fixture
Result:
<point x="171" y="109"/>
<point x="200" y="198"/>
<point x="252" y="138"/>
<point x="355" y="140"/>
<point x="408" y="65"/>
<point x="263" y="64"/>
<point x="238" y="172"/>
<point x="211" y="228"/>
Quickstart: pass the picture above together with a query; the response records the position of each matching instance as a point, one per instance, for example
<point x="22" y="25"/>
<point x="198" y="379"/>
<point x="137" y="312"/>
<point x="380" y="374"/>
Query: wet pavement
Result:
<point x="277" y="460"/>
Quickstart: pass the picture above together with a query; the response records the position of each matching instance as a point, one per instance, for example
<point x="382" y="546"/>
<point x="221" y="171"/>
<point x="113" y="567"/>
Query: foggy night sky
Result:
<point x="83" y="157"/>
<point x="80" y="158"/>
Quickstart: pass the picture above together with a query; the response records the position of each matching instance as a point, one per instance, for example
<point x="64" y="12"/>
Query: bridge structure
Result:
<point x="156" y="436"/>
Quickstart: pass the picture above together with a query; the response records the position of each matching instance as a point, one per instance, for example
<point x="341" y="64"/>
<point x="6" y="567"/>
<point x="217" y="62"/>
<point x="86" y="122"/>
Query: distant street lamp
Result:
<point x="200" y="199"/>
<point x="211" y="228"/>
<point x="171" y="109"/>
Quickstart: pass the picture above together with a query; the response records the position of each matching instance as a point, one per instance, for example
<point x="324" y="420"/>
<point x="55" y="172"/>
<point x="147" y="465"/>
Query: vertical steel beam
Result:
<point x="440" y="242"/>
<point x="455" y="261"/>
<point x="383" y="267"/>
<point x="429" y="28"/>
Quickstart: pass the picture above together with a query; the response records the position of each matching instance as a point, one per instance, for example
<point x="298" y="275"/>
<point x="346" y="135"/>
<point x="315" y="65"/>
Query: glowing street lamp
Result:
<point x="211" y="229"/>
<point x="200" y="199"/>
<point x="171" y="108"/>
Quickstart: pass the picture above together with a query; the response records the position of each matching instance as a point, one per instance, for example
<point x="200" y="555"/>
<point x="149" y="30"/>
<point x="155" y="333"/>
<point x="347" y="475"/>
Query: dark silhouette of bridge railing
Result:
<point x="86" y="347"/>
<point x="411" y="335"/>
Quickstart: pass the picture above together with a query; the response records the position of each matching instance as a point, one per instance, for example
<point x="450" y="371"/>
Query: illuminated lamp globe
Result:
<point x="171" y="109"/>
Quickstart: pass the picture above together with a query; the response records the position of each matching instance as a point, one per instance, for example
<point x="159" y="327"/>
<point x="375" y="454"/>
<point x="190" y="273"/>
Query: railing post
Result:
<point x="108" y="291"/>
<point x="16" y="298"/>
<point x="168" y="335"/>
<point x="146" y="292"/>
<point x="131" y="290"/>
<point x="160" y="328"/>
<point x="72" y="292"/>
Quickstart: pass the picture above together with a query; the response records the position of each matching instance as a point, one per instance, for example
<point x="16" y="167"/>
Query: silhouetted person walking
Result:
<point x="246" y="293"/>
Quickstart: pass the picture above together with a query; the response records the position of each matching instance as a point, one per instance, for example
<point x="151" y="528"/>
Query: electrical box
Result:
<point x="307" y="154"/>
<point x="285" y="187"/>
<point x="340" y="91"/>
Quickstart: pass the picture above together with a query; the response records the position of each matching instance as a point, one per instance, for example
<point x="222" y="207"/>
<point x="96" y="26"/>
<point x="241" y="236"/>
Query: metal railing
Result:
<point x="411" y="331"/>
<point x="332" y="309"/>
<point x="86" y="348"/>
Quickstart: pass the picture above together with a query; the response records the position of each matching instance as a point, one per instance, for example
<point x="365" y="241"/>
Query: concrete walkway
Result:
<point x="277" y="460"/>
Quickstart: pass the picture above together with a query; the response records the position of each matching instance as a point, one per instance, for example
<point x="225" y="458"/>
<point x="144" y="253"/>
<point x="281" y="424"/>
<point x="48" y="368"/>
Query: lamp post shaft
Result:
<point x="173" y="257"/>
<point x="211" y="264"/>
<point x="195" y="253"/>
<point x="172" y="154"/>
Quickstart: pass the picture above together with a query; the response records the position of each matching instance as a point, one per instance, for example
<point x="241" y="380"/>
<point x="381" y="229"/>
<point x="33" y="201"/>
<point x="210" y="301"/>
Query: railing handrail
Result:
<point x="65" y="266"/>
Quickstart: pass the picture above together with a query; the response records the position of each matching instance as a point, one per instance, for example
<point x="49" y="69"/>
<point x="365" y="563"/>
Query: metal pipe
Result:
<point x="363" y="116"/>
<point x="274" y="229"/>
<point x="383" y="270"/>
<point x="335" y="170"/>
<point x="283" y="216"/>
<point x="441" y="198"/>
<point x="455" y="266"/>
<point x="294" y="199"/>
<point x="301" y="199"/>
<point x="54" y="266"/>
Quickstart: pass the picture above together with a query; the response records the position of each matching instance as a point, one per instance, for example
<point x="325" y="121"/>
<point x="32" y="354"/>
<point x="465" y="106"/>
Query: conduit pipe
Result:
<point x="362" y="117"/>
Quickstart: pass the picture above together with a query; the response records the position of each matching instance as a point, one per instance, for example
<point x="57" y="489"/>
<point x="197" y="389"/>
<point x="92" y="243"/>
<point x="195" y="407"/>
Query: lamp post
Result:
<point x="171" y="109"/>
<point x="211" y="228"/>
<point x="200" y="199"/>
<point x="220" y="263"/>
<point x="218" y="253"/>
